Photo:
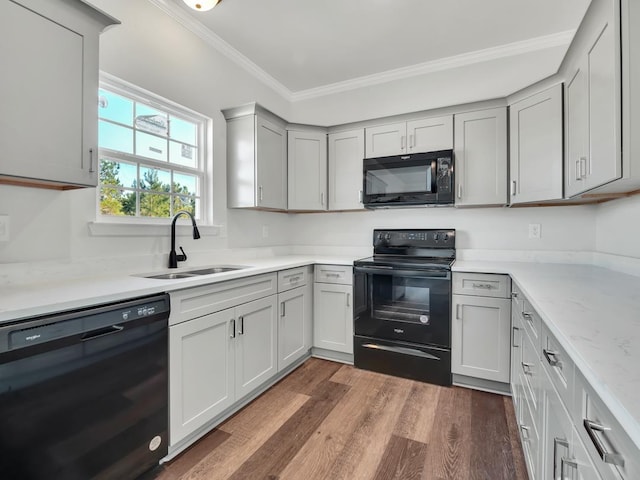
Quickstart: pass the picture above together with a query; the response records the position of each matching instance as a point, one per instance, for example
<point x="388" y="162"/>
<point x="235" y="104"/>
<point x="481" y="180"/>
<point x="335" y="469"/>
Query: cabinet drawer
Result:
<point x="199" y="301"/>
<point x="616" y="446"/>
<point x="558" y="366"/>
<point x="292" y="278"/>
<point x="341" y="274"/>
<point x="482" y="284"/>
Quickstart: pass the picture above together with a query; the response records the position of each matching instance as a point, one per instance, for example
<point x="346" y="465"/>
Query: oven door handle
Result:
<point x="402" y="350"/>
<point x="384" y="270"/>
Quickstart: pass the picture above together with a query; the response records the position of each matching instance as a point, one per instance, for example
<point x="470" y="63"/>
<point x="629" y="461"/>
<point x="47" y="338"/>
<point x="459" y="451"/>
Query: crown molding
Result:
<point x="503" y="51"/>
<point x="221" y="46"/>
<point x="560" y="39"/>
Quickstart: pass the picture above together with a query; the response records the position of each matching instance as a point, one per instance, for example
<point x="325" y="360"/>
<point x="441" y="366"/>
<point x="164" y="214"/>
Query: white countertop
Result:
<point x="594" y="313"/>
<point x="23" y="301"/>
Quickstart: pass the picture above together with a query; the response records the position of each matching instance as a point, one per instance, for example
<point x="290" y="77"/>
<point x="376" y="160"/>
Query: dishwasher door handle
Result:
<point x="102" y="332"/>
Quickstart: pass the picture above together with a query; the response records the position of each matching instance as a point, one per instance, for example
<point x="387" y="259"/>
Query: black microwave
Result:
<point x="404" y="180"/>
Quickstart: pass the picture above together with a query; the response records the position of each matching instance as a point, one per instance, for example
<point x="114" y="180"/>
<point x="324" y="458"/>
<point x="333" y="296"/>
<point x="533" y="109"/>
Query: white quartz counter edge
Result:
<point x="593" y="313"/>
<point x="18" y="302"/>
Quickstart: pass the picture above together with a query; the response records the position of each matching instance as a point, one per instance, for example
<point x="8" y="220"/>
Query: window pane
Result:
<point x="117" y="202"/>
<point x="154" y="205"/>
<point x="151" y="120"/>
<point x="185" y="184"/>
<point x="184" y="202"/>
<point x="122" y="174"/>
<point x="151" y="147"/>
<point x="155" y="179"/>
<point x="182" y="154"/>
<point x="115" y="137"/>
<point x="183" y="131"/>
<point x="114" y="107"/>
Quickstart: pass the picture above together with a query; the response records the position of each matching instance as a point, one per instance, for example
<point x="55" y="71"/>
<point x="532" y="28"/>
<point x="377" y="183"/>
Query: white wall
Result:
<point x="618" y="227"/>
<point x="563" y="228"/>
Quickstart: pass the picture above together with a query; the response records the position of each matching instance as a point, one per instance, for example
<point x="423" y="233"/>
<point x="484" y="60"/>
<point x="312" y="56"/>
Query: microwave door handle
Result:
<point x="434" y="167"/>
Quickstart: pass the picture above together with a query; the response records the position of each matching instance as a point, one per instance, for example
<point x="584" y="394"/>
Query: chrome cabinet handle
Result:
<point x="232" y="324"/>
<point x="578" y="171"/>
<point x="322" y="198"/>
<point x="526" y="367"/>
<point x="458" y="311"/>
<point x="411" y="144"/>
<point x="528" y="316"/>
<point x="486" y="286"/>
<point x="260" y="190"/>
<point x="514" y="294"/>
<point x="91" y="169"/>
<point x="525" y="431"/>
<point x="551" y="357"/>
<point x="348" y="299"/>
<point x="360" y="196"/>
<point x="513" y="188"/>
<point x="583" y="171"/>
<point x="513" y="337"/>
<point x="460" y="190"/>
<point x="240" y="325"/>
<point x="282" y="309"/>
<point x="402" y="142"/>
<point x="607" y="457"/>
<point x="565" y="461"/>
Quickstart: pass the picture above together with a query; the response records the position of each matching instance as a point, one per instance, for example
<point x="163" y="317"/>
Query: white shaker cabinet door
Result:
<point x="481" y="157"/>
<point x="294" y="313"/>
<point x="256" y="344"/>
<point x="346" y="152"/>
<point x="333" y="317"/>
<point x="307" y="160"/>
<point x="536" y="147"/>
<point x="430" y="134"/>
<point x="271" y="165"/>
<point x="480" y="337"/>
<point x="201" y="371"/>
<point x="385" y="140"/>
<point x="577" y="132"/>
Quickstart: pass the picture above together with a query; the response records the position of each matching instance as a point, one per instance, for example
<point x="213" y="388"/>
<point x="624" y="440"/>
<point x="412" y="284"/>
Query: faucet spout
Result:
<point x="174" y="258"/>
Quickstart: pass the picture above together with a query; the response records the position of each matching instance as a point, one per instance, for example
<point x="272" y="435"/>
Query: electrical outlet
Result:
<point x="535" y="230"/>
<point x="4" y="228"/>
<point x="265" y="231"/>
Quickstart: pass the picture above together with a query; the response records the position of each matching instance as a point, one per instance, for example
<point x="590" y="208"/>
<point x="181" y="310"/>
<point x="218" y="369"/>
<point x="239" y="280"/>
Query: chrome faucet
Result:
<point x="174" y="258"/>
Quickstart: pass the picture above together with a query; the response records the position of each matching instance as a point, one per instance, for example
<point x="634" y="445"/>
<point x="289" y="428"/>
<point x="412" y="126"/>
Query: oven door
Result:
<point x="402" y="304"/>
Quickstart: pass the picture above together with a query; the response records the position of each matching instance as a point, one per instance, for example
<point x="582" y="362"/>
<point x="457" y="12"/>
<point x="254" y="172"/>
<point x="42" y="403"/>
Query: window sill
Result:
<point x="122" y="229"/>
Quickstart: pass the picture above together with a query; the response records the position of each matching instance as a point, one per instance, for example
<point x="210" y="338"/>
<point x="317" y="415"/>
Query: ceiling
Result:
<point x="305" y="45"/>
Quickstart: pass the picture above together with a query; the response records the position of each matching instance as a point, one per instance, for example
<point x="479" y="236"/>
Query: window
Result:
<point x="152" y="155"/>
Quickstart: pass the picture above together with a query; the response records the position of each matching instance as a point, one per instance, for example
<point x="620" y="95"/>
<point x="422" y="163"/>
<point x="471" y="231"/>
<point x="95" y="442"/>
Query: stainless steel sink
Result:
<point x="170" y="276"/>
<point x="195" y="272"/>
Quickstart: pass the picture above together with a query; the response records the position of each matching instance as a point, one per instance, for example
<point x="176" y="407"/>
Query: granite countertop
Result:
<point x="594" y="313"/>
<point x="55" y="295"/>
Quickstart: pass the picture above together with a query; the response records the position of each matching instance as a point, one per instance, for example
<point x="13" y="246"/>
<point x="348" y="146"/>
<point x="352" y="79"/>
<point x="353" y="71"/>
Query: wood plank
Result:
<point x="316" y="458"/>
<point x="403" y="460"/>
<point x="274" y="455"/>
<point x="419" y="412"/>
<point x="365" y="447"/>
<point x="448" y="456"/>
<point x="306" y="378"/>
<point x="489" y="427"/>
<point x="249" y="430"/>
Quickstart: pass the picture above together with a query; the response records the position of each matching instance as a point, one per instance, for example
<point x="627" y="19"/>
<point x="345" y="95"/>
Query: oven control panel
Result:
<point x="415" y="238"/>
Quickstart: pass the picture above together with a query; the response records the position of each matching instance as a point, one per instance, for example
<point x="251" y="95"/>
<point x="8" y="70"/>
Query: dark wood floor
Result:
<point x="332" y="421"/>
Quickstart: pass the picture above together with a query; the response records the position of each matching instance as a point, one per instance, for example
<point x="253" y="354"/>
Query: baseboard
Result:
<point x="482" y="384"/>
<point x="332" y="355"/>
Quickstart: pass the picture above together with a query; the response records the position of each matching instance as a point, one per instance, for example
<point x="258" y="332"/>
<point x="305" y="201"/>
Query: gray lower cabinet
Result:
<point x="481" y="324"/>
<point x="333" y="309"/>
<point x="295" y="315"/>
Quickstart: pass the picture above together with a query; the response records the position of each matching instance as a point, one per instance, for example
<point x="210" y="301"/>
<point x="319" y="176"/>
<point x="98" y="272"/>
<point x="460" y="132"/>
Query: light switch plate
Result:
<point x="4" y="228"/>
<point x="535" y="230"/>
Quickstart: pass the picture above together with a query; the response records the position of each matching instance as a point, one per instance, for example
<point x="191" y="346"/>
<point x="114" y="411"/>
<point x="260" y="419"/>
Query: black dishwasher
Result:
<point x="84" y="394"/>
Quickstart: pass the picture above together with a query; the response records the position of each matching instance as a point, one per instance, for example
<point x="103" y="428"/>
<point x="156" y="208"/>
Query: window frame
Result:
<point x="204" y="147"/>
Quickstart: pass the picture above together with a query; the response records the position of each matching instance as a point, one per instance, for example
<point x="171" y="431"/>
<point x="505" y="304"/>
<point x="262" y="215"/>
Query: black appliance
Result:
<point x="84" y="394"/>
<point x="403" y="180"/>
<point x="402" y="305"/>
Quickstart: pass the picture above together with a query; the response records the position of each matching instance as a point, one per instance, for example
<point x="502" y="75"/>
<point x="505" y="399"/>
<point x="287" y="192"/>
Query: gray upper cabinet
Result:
<point x="49" y="94"/>
<point x="256" y="158"/>
<point x="481" y="157"/>
<point x="307" y="172"/>
<point x="536" y="148"/>
<point x="593" y="101"/>
<point x="346" y="152"/>
<point x="421" y="135"/>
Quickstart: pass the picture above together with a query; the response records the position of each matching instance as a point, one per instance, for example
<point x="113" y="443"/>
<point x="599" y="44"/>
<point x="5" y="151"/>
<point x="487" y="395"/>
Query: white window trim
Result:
<point x="105" y="225"/>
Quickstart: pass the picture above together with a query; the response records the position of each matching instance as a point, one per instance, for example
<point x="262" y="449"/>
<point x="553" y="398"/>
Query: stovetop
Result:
<point x="406" y="262"/>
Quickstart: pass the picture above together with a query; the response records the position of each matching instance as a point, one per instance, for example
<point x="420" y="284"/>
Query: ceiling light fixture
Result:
<point x="202" y="5"/>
